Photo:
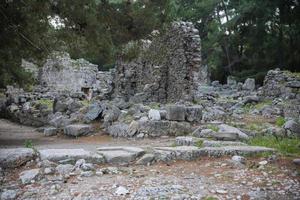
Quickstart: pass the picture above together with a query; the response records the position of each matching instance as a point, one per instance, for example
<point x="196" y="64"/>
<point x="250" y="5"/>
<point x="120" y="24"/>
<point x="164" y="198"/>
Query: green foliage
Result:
<point x="209" y="198"/>
<point x="85" y="102"/>
<point x="213" y="127"/>
<point x="280" y="121"/>
<point x="46" y="102"/>
<point x="28" y="144"/>
<point x="199" y="143"/>
<point x="249" y="107"/>
<point x="286" y="146"/>
<point x="240" y="38"/>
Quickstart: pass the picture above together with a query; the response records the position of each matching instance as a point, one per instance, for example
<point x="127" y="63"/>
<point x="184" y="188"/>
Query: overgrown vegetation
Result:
<point x="28" y="144"/>
<point x="199" y="143"/>
<point x="213" y="127"/>
<point x="280" y="121"/>
<point x="46" y="102"/>
<point x="251" y="106"/>
<point x="286" y="146"/>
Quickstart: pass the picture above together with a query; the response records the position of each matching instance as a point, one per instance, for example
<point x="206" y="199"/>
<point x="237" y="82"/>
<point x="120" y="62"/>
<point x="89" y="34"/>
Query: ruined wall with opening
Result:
<point x="167" y="69"/>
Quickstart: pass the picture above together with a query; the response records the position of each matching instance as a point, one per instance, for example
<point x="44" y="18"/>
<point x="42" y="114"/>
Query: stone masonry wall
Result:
<point x="169" y="69"/>
<point x="61" y="73"/>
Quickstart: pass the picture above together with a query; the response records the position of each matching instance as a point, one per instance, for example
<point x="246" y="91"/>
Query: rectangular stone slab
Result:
<point x="56" y="155"/>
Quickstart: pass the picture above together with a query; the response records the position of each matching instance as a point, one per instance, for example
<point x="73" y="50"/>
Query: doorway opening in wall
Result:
<point x="85" y="90"/>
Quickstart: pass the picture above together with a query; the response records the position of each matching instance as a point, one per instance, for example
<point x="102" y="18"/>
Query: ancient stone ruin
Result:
<point x="156" y="107"/>
<point x="169" y="69"/>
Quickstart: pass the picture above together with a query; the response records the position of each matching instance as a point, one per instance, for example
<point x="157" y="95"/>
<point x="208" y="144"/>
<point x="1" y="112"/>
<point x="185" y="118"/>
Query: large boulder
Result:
<point x="59" y="121"/>
<point x="292" y="128"/>
<point x="29" y="175"/>
<point x="77" y="130"/>
<point x="118" y="130"/>
<point x="154" y="115"/>
<point x="10" y="158"/>
<point x="175" y="112"/>
<point x="193" y="113"/>
<point x="224" y="128"/>
<point x="249" y="84"/>
<point x="154" y="128"/>
<point x="93" y="112"/>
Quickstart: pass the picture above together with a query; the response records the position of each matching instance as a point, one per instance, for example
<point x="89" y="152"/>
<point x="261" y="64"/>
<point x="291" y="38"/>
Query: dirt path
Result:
<point x="15" y="135"/>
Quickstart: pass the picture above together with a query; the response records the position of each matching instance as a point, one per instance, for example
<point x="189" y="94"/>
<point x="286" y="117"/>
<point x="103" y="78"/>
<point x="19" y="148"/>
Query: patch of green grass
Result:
<point x="154" y="105"/>
<point x="174" y="144"/>
<point x="199" y="144"/>
<point x="249" y="107"/>
<point x="47" y="102"/>
<point x="28" y="144"/>
<point x="280" y="121"/>
<point x="213" y="127"/>
<point x="209" y="198"/>
<point x="85" y="102"/>
<point x="286" y="146"/>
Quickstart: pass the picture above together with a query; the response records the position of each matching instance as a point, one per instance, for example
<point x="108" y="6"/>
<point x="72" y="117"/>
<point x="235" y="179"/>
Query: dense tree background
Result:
<point x="244" y="38"/>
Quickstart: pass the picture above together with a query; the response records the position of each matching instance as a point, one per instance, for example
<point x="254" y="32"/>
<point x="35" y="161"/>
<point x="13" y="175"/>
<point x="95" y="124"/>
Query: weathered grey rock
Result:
<point x="155" y="128"/>
<point x="59" y="121"/>
<point x="296" y="161"/>
<point x="56" y="155"/>
<point x="77" y="130"/>
<point x="205" y="133"/>
<point x="234" y="150"/>
<point x="154" y="115"/>
<point x="193" y="113"/>
<point x="48" y="170"/>
<point x="224" y="128"/>
<point x="10" y="158"/>
<point x="133" y="128"/>
<point x="146" y="159"/>
<point x="213" y="113"/>
<point x="249" y="84"/>
<point x="212" y="143"/>
<point x="120" y="155"/>
<point x="121" y="191"/>
<point x="9" y="195"/>
<point x="65" y="169"/>
<point x="111" y="114"/>
<point x="176" y="153"/>
<point x="118" y="130"/>
<point x="293" y="84"/>
<point x="50" y="131"/>
<point x="196" y="132"/>
<point x="282" y="84"/>
<point x="175" y="112"/>
<point x="293" y="127"/>
<point x="29" y="175"/>
<point x="93" y="112"/>
<point x="188" y="141"/>
<point x="87" y="173"/>
<point x="74" y="106"/>
<point x="239" y="159"/>
<point x="179" y="128"/>
<point x="250" y="99"/>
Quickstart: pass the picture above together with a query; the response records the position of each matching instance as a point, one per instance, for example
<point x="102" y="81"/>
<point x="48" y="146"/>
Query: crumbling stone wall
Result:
<point x="168" y="69"/>
<point x="61" y="73"/>
<point x="282" y="84"/>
